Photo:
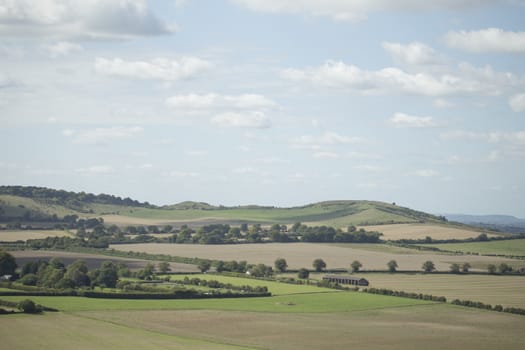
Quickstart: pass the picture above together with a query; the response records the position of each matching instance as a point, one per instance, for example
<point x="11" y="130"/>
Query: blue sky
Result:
<point x="268" y="102"/>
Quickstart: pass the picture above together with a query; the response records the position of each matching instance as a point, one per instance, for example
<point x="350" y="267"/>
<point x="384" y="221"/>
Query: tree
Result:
<point x="7" y="264"/>
<point x="465" y="267"/>
<point x="319" y="265"/>
<point x="281" y="265"/>
<point x="147" y="272"/>
<point x="164" y="267"/>
<point x="491" y="268"/>
<point x="392" y="265"/>
<point x="503" y="268"/>
<point x="106" y="276"/>
<point x="356" y="265"/>
<point x="428" y="266"/>
<point x="454" y="268"/>
<point x="204" y="266"/>
<point x="261" y="270"/>
<point x="303" y="273"/>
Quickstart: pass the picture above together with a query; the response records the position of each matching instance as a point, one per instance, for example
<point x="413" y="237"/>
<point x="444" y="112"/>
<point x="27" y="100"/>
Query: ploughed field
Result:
<point x="24" y="235"/>
<point x="514" y="247"/>
<point x="421" y="231"/>
<point x="299" y="255"/>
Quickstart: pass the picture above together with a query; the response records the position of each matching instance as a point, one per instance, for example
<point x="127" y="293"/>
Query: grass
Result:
<point x="420" y="231"/>
<point x="294" y="303"/>
<point x="514" y="247"/>
<point x="299" y="255"/>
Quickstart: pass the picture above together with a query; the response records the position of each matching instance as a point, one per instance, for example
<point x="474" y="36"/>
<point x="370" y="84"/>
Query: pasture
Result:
<point x="511" y="247"/>
<point x="299" y="255"/>
<point x="24" y="235"/>
<point x="333" y="320"/>
<point x="420" y="231"/>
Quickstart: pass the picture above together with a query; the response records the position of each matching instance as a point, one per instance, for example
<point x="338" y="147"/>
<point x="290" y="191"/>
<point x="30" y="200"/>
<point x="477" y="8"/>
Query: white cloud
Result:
<point x="63" y="48"/>
<point x="337" y="74"/>
<point x="102" y="135"/>
<point x="328" y="138"/>
<point x="412" y="54"/>
<point x="197" y="153"/>
<point x="326" y="155"/>
<point x="515" y="138"/>
<point x="80" y="18"/>
<point x="257" y="120"/>
<point x="213" y="101"/>
<point x="5" y="81"/>
<point x="156" y="69"/>
<point x="487" y="40"/>
<point x="442" y="103"/>
<point x="177" y="173"/>
<point x="517" y="102"/>
<point x="402" y="120"/>
<point x="426" y="173"/>
<point x="355" y="10"/>
<point x="369" y="168"/>
<point x="96" y="170"/>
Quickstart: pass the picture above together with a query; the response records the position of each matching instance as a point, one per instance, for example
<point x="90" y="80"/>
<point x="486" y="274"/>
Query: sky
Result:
<point x="268" y="102"/>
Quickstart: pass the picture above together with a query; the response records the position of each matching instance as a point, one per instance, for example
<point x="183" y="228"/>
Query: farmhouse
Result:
<point x="356" y="281"/>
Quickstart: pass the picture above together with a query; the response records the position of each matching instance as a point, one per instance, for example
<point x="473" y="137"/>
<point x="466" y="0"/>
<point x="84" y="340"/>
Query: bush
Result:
<point x="29" y="307"/>
<point x="29" y="280"/>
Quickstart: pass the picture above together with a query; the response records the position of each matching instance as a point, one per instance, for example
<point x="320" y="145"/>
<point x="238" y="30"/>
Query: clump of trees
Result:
<point x="7" y="264"/>
<point x="319" y="265"/>
<point x="303" y="273"/>
<point x="280" y="265"/>
<point x="428" y="266"/>
<point x="392" y="265"/>
<point x="355" y="265"/>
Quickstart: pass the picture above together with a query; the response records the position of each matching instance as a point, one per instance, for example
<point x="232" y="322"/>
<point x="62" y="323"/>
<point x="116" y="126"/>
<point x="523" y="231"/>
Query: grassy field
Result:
<point x="420" y="231"/>
<point x="338" y="320"/>
<point x="510" y="247"/>
<point x="13" y="236"/>
<point x="300" y="255"/>
<point x="503" y="290"/>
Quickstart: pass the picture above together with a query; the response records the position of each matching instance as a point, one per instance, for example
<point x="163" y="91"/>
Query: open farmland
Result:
<point x="347" y="321"/>
<point x="420" y="231"/>
<point x="489" y="289"/>
<point x="300" y="255"/>
<point x="511" y="247"/>
<point x="24" y="235"/>
<point x="92" y="260"/>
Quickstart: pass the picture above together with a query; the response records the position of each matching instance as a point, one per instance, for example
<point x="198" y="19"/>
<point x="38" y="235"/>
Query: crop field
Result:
<point x="504" y="290"/>
<point x="24" y="235"/>
<point x="300" y="255"/>
<point x="420" y="231"/>
<point x="92" y="260"/>
<point x="510" y="247"/>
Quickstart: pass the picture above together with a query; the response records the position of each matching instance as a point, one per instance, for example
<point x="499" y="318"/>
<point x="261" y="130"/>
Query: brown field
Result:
<point x="300" y="255"/>
<point x="503" y="290"/>
<point x="92" y="260"/>
<point x="24" y="235"/>
<point x="415" y="327"/>
<point x="420" y="231"/>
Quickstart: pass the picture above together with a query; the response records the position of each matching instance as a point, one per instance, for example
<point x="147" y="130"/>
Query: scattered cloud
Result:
<point x="516" y="137"/>
<point x="355" y="10"/>
<point x="63" y="48"/>
<point x="469" y="80"/>
<point x="102" y="135"/>
<point x="402" y="120"/>
<point x="442" y="103"/>
<point x="216" y="101"/>
<point x="328" y="138"/>
<point x="197" y="153"/>
<point x="426" y="173"/>
<point x="326" y="155"/>
<point x="163" y="69"/>
<point x="517" y="102"/>
<point x="5" y="81"/>
<point x="412" y="54"/>
<point x="256" y="120"/>
<point x="487" y="40"/>
<point x="96" y="170"/>
<point x="369" y="168"/>
<point x="178" y="173"/>
<point x="81" y="18"/>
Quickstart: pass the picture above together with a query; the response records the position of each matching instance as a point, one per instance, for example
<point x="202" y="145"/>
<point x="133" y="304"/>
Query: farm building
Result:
<point x="356" y="281"/>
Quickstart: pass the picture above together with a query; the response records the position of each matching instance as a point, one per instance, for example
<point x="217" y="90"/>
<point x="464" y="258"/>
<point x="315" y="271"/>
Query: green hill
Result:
<point x="36" y="203"/>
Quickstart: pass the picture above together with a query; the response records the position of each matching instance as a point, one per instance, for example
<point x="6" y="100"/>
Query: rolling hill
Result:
<point x="43" y="204"/>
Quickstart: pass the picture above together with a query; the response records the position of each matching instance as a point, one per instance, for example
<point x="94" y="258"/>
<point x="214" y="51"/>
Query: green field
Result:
<point x="514" y="247"/>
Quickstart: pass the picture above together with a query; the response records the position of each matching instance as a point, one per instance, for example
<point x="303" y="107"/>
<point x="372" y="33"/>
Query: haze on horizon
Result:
<point x="268" y="102"/>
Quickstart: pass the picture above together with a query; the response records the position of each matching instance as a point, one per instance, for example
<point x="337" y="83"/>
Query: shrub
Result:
<point x="29" y="307"/>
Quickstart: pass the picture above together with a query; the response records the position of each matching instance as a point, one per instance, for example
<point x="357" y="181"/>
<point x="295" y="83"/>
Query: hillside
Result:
<point x="34" y="204"/>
